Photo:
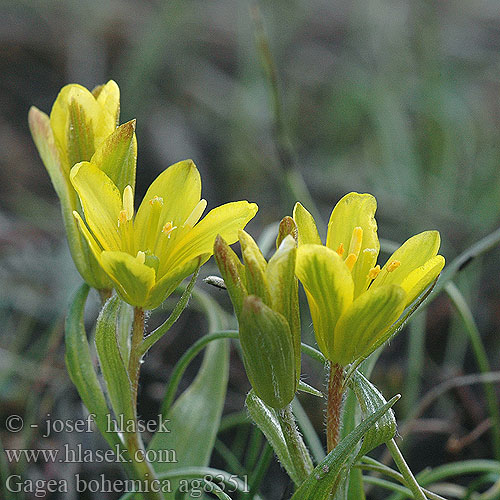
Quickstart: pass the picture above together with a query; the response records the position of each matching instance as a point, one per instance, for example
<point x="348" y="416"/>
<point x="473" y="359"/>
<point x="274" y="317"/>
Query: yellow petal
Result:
<point x="308" y="232"/>
<point x="179" y="186"/>
<point x="415" y="252"/>
<point x="68" y="130"/>
<point x="108" y="96"/>
<point x="101" y="203"/>
<point x="94" y="246"/>
<point x="132" y="279"/>
<point x="419" y="279"/>
<point x="365" y="321"/>
<point x="329" y="288"/>
<point x="352" y="211"/>
<point x="168" y="283"/>
<point x="225" y="220"/>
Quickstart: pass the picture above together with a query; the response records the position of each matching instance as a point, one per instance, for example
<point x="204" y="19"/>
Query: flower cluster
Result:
<point x="92" y="164"/>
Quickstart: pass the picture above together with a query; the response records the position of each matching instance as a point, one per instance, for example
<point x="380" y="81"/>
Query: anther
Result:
<point x="122" y="218"/>
<point x="156" y="200"/>
<point x="356" y="240"/>
<point x="392" y="266"/>
<point x="351" y="260"/>
<point x="128" y="202"/>
<point x="168" y="228"/>
<point x="340" y="249"/>
<point x="141" y="257"/>
<point x="373" y="272"/>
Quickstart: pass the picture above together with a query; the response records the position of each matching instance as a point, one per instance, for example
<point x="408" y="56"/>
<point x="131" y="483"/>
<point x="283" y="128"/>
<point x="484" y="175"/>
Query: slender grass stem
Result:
<point x="481" y="359"/>
<point x="410" y="480"/>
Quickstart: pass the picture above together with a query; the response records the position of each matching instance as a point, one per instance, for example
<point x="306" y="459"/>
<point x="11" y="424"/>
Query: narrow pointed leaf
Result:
<point x="111" y="361"/>
<point x="81" y="369"/>
<point x="194" y="418"/>
<point x="325" y="478"/>
<point x="370" y="399"/>
<point x="267" y="421"/>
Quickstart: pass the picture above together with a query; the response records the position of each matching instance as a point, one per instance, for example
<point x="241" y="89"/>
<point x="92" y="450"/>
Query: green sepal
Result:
<point x="370" y="399"/>
<point x="267" y="421"/>
<point x="268" y="352"/>
<point x="81" y="368"/>
<point x="233" y="272"/>
<point x="327" y="476"/>
<point x="284" y="288"/>
<point x="256" y="277"/>
<point x="117" y="156"/>
<point x="111" y="361"/>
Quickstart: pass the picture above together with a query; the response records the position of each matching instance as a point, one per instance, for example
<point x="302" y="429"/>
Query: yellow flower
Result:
<point x="352" y="300"/>
<point x="80" y="123"/>
<point x="149" y="254"/>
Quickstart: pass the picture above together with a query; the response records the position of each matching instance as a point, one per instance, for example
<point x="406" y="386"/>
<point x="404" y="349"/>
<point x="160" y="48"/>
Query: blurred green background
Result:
<point x="397" y="98"/>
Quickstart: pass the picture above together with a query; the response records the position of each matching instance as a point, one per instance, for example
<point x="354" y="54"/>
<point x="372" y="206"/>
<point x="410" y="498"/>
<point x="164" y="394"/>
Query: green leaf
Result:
<point x="124" y="330"/>
<point x="370" y="399"/>
<point x="267" y="421"/>
<point x="326" y="477"/>
<point x="303" y="387"/>
<point x="81" y="369"/>
<point x="195" y="417"/>
<point x="111" y="361"/>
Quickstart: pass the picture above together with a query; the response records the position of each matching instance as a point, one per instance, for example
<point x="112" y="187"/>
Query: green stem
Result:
<point x="133" y="440"/>
<point x="134" y="363"/>
<point x="481" y="359"/>
<point x="298" y="452"/>
<point x="410" y="480"/>
<point x="334" y="405"/>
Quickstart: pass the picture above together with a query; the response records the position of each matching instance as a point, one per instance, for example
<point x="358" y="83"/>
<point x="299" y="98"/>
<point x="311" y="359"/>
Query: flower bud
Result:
<point x="268" y="352"/>
<point x="265" y="300"/>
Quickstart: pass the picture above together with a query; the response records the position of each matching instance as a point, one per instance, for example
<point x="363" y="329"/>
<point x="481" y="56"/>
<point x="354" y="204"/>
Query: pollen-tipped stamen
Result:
<point x="340" y="249"/>
<point x="152" y="223"/>
<point x="392" y="266"/>
<point x="354" y="247"/>
<point x="374" y="272"/>
<point x="168" y="228"/>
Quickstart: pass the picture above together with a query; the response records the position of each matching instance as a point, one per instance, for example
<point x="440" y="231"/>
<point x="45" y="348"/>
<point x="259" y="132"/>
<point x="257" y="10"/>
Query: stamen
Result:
<point x="392" y="266"/>
<point x="351" y="260"/>
<point x="354" y="247"/>
<point x="373" y="272"/>
<point x="197" y="212"/>
<point x="356" y="240"/>
<point x="141" y="257"/>
<point x="340" y="249"/>
<point x="156" y="200"/>
<point x="128" y="202"/>
<point x="122" y="218"/>
<point x="168" y="228"/>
